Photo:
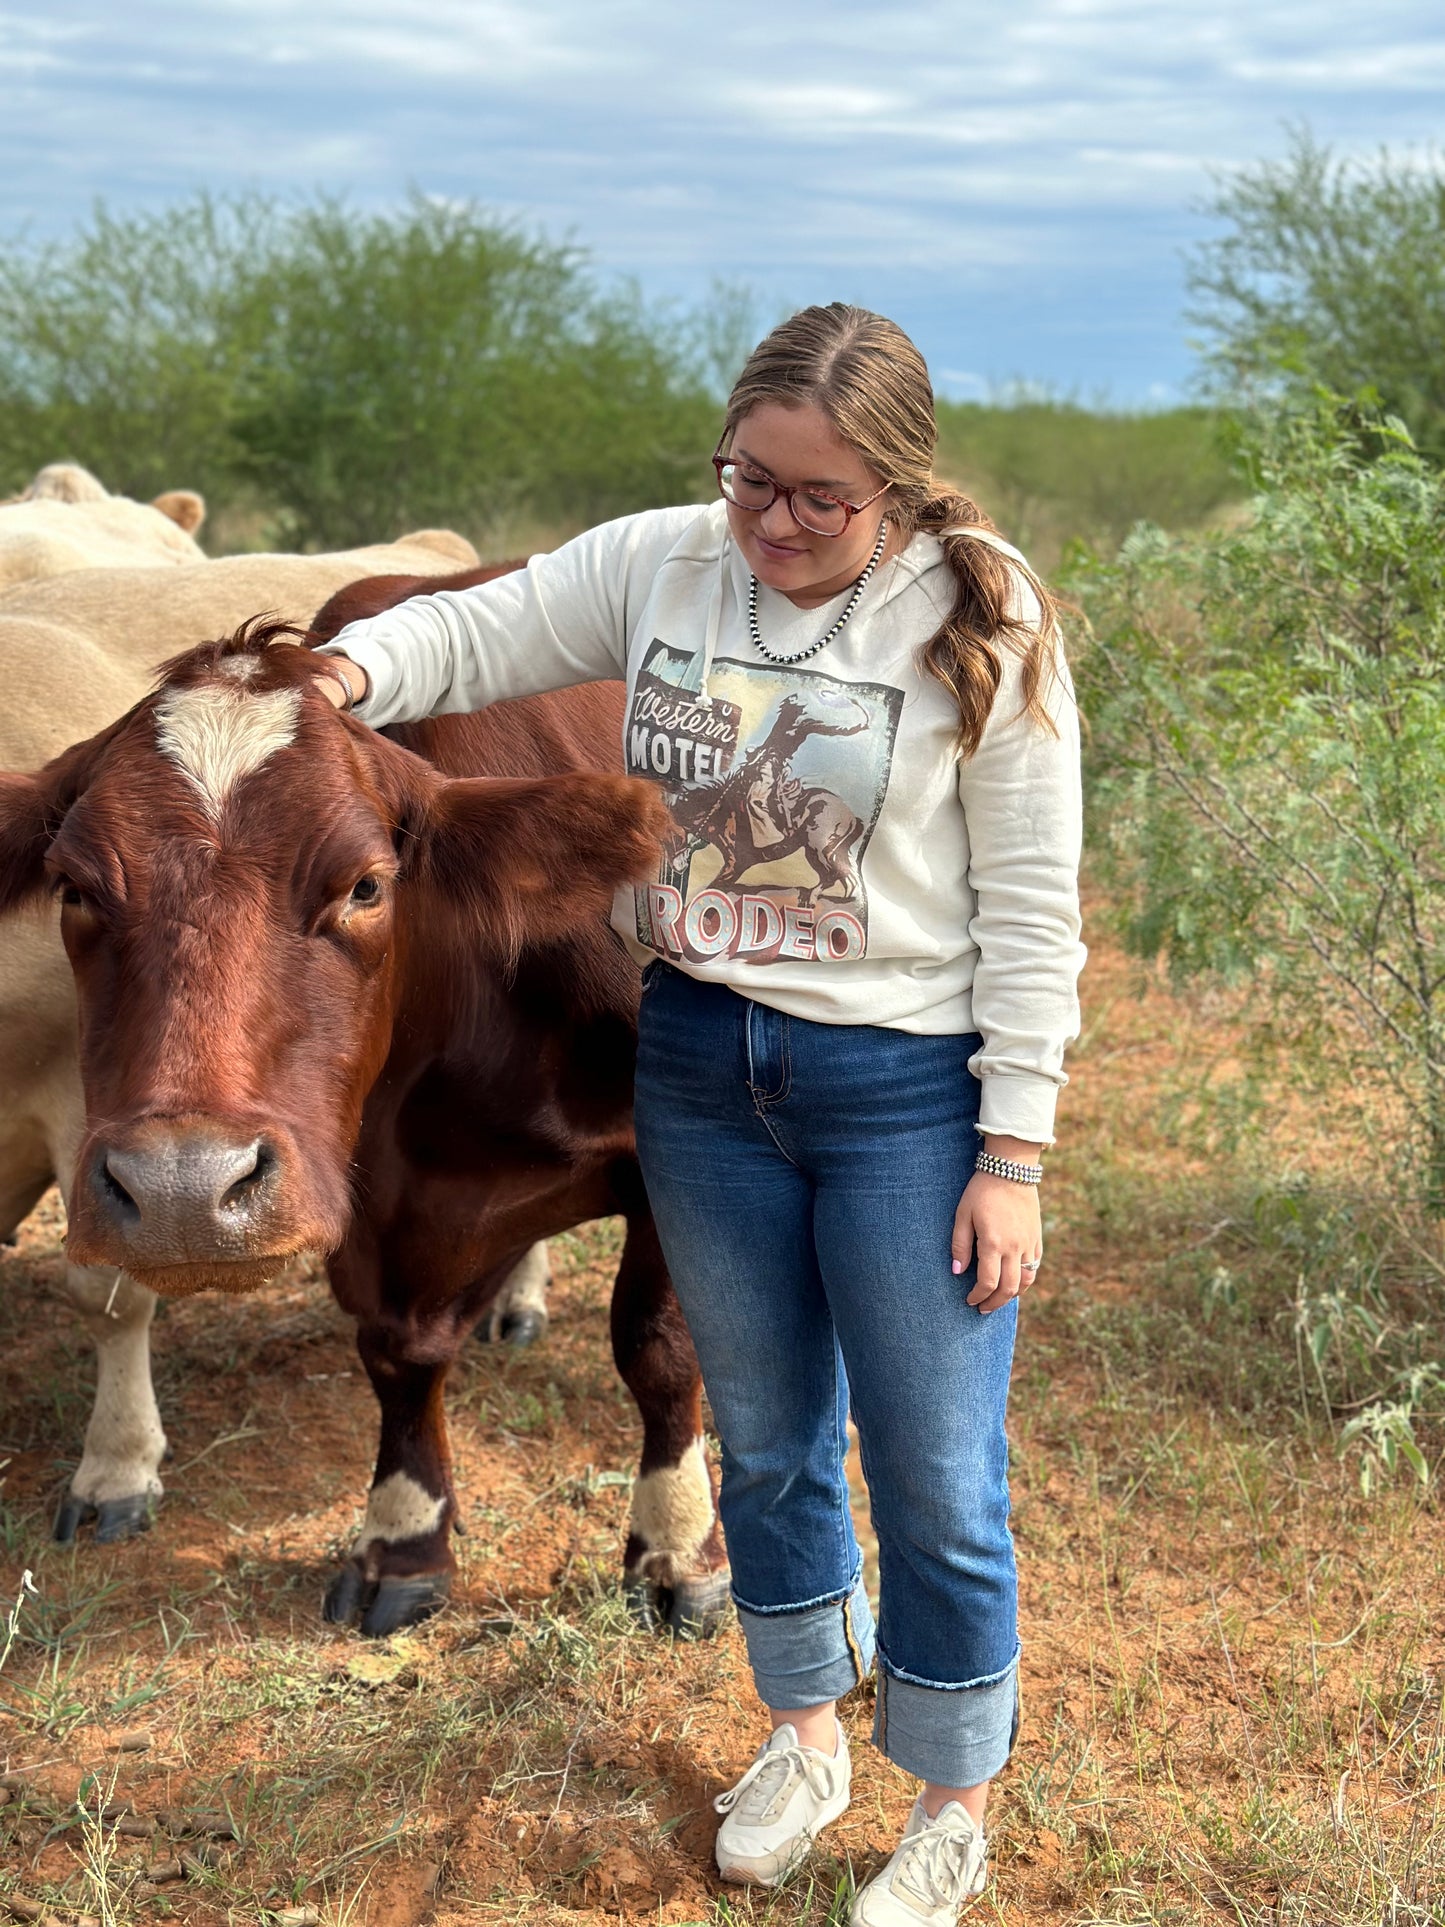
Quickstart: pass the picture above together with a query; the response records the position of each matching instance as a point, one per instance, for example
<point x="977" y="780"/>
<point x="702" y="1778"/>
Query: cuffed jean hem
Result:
<point x="808" y="1657"/>
<point x="952" y="1735"/>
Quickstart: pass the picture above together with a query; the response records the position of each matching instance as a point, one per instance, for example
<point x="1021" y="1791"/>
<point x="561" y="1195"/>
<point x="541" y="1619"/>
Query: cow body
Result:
<point x="76" y="653"/>
<point x="65" y="520"/>
<point x="359" y="994"/>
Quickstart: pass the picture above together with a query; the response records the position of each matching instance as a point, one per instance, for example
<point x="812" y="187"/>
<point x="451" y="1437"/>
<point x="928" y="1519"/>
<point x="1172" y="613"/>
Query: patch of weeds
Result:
<point x="1280" y="1300"/>
<point x="110" y="1881"/>
<point x="819" y="1894"/>
<point x="1043" y="1795"/>
<point x="1386" y="1439"/>
<point x="27" y="1590"/>
<point x="499" y="1393"/>
<point x="51" y="1703"/>
<point x="16" y="1528"/>
<point x="598" y="1243"/>
<point x="286" y="1681"/>
<point x="129" y="1693"/>
<point x="564" y="1649"/>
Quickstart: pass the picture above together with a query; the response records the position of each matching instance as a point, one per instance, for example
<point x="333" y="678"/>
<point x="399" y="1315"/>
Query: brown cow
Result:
<point x="373" y="593"/>
<point x="355" y="992"/>
<point x="76" y="651"/>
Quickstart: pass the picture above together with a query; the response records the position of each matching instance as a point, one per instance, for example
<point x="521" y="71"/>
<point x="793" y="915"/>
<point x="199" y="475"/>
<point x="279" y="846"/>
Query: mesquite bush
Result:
<point x="1267" y="769"/>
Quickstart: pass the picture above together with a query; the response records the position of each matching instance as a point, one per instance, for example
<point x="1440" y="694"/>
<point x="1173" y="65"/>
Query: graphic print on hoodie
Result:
<point x="775" y="778"/>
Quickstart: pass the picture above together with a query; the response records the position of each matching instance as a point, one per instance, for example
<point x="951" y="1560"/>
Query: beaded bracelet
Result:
<point x="993" y="1167"/>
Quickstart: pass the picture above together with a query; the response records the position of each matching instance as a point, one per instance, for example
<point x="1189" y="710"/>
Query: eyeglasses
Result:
<point x="749" y="487"/>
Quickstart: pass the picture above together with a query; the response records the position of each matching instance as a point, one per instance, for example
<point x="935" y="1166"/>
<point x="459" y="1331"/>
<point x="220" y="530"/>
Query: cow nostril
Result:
<point x="262" y="1166"/>
<point x="116" y="1191"/>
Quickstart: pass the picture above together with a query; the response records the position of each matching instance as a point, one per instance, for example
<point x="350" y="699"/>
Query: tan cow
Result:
<point x="65" y="520"/>
<point x="76" y="651"/>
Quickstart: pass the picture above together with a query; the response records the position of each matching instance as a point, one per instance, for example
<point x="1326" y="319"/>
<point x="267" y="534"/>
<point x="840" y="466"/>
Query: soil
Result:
<point x="1215" y="1625"/>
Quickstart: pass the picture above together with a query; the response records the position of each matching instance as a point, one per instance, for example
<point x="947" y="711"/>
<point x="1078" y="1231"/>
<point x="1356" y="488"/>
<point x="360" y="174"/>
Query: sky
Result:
<point x="1017" y="184"/>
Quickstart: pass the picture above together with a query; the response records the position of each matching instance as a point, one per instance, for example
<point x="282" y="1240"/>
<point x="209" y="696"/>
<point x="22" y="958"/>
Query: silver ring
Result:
<point x="338" y="674"/>
<point x="1030" y="1264"/>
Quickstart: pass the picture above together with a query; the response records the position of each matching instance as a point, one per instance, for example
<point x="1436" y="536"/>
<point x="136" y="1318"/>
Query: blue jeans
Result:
<point x="804" y="1179"/>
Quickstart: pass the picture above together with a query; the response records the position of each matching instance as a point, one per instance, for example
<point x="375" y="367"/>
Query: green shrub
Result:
<point x="1268" y="710"/>
<point x="1052" y="473"/>
<point x="437" y="367"/>
<point x="355" y="373"/>
<point x="122" y="347"/>
<point x="1330" y="272"/>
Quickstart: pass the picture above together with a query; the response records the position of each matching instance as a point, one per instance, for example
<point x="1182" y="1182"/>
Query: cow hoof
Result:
<point x="644" y="1600"/>
<point x="524" y="1327"/>
<point x="383" y="1606"/>
<point x="698" y="1607"/>
<point x="124" y="1518"/>
<point x="694" y="1610"/>
<point x="73" y="1514"/>
<point x="345" y="1596"/>
<point x="113" y="1519"/>
<point x="405" y="1602"/>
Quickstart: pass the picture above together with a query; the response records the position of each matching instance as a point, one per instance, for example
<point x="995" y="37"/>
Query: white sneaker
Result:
<point x="938" y="1866"/>
<point x="786" y="1797"/>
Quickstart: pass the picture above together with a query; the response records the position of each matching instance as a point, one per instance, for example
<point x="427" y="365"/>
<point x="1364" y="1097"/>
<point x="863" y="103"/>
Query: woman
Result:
<point x="860" y="965"/>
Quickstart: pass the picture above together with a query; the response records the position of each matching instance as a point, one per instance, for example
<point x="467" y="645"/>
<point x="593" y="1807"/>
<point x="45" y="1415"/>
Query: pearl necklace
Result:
<point x="786" y="662"/>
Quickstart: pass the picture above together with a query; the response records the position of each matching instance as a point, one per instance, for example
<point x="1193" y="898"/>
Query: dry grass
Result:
<point x="1232" y="1667"/>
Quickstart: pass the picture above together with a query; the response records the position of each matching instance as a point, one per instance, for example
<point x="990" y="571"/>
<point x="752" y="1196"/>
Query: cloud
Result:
<point x="1015" y="179"/>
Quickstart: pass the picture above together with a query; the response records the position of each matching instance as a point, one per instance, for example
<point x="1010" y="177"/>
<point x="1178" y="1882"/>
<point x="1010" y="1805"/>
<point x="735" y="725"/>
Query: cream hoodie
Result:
<point x="835" y="859"/>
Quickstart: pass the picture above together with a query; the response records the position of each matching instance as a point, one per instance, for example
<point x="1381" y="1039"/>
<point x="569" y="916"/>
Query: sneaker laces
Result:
<point x="763" y="1791"/>
<point x="939" y="1866"/>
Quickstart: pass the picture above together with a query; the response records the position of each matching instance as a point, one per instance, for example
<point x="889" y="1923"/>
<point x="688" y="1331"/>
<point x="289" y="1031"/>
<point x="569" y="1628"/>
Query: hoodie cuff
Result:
<point x="1014" y="1106"/>
<point x="381" y="703"/>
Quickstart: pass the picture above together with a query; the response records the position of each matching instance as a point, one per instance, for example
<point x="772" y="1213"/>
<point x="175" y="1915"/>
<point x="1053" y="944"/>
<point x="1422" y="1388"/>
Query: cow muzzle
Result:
<point x="186" y="1204"/>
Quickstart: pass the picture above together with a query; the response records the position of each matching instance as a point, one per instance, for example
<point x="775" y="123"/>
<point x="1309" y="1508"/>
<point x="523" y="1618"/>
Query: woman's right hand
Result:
<point x="334" y="689"/>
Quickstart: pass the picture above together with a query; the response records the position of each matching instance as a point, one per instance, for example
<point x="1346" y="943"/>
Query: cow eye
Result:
<point x="70" y="895"/>
<point x="366" y="890"/>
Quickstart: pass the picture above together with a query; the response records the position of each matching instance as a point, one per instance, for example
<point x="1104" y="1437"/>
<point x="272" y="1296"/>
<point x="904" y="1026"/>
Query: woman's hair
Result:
<point x="872" y="384"/>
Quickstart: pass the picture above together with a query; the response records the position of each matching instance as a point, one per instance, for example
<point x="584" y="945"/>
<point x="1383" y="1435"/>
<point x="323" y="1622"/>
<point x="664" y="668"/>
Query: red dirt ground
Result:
<point x="1216" y="1625"/>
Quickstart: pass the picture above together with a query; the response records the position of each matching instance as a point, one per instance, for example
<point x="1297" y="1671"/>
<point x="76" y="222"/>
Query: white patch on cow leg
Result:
<point x="398" y="1509"/>
<point x="527" y="1286"/>
<point x="525" y="1290"/>
<point x="218" y="733"/>
<point x="124" y="1442"/>
<point x="672" y="1514"/>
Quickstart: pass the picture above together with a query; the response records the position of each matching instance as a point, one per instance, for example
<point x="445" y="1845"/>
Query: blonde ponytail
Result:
<point x="991" y="613"/>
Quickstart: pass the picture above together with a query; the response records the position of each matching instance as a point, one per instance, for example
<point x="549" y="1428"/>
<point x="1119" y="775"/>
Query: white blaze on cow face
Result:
<point x="398" y="1509"/>
<point x="219" y="733"/>
<point x="241" y="668"/>
<point x="672" y="1514"/>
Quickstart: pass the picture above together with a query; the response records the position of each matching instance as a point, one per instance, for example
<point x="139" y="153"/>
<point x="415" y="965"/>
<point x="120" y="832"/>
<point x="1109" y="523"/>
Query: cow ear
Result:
<point x="26" y="828"/>
<point x="183" y="507"/>
<point x="530" y="862"/>
<point x="31" y="811"/>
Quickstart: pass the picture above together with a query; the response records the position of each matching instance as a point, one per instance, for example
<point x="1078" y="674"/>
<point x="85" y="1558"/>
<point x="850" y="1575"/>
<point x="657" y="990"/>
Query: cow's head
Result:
<point x="243" y="873"/>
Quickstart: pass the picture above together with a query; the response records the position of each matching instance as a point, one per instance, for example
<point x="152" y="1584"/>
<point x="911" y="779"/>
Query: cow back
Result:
<point x="564" y="731"/>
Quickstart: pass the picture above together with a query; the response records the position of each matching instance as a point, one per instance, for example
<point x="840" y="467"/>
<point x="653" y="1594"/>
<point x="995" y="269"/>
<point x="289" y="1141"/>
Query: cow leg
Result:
<point x="519" y="1311"/>
<point x="19" y="1196"/>
<point x="400" y="1568"/>
<point x="675" y="1571"/>
<point x="117" y="1483"/>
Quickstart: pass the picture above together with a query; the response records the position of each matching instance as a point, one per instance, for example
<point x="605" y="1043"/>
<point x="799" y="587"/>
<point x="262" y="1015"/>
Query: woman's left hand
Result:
<point x="998" y="1221"/>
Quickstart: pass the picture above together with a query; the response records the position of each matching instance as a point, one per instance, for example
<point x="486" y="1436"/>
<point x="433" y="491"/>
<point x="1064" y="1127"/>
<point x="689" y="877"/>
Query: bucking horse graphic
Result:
<point x="760" y="812"/>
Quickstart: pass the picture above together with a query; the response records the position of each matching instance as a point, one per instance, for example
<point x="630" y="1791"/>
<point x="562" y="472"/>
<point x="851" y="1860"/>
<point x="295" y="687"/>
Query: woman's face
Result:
<point x="800" y="448"/>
